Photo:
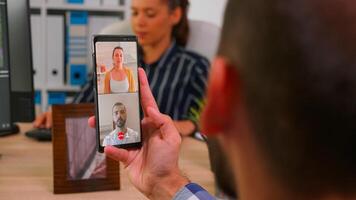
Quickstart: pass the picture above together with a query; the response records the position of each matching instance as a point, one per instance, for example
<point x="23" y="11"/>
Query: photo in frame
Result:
<point x="77" y="165"/>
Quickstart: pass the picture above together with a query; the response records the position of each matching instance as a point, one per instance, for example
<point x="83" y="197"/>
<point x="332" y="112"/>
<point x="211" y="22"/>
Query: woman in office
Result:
<point x="119" y="78"/>
<point x="176" y="76"/>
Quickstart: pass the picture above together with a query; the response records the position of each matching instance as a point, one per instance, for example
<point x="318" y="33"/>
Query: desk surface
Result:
<point x="26" y="170"/>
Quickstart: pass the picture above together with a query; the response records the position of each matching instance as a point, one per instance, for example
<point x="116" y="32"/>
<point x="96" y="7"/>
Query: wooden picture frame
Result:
<point x="68" y="155"/>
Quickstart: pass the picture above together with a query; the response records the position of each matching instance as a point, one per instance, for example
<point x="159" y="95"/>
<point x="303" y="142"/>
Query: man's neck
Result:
<point x="123" y="129"/>
<point x="252" y="174"/>
<point x="152" y="53"/>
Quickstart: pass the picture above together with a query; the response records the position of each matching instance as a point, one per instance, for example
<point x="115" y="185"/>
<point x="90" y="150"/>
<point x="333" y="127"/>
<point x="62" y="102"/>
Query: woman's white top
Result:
<point x="119" y="86"/>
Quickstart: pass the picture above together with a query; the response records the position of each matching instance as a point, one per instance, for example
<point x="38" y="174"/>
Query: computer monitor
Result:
<point x="16" y="73"/>
<point x="21" y="70"/>
<point x="5" y="116"/>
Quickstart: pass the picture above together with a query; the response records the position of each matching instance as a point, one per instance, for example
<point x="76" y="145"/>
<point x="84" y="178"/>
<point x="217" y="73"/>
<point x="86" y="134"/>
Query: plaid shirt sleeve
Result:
<point x="193" y="191"/>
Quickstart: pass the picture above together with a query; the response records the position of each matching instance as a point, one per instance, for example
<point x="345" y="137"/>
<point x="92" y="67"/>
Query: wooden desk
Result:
<point x="26" y="170"/>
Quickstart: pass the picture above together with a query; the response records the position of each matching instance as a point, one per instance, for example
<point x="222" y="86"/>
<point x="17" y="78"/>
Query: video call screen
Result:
<point x="118" y="95"/>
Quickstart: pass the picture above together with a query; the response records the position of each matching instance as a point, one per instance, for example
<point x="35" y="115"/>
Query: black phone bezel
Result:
<point x="113" y="38"/>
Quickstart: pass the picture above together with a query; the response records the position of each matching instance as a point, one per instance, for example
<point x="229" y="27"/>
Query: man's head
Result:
<point x="119" y="115"/>
<point x="291" y="65"/>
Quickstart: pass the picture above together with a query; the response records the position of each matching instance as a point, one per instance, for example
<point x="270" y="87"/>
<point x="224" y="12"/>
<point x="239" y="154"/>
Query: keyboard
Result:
<point x="14" y="129"/>
<point x="40" y="134"/>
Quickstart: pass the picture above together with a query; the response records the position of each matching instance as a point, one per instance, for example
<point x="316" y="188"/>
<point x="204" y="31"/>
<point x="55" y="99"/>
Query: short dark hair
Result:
<point x="115" y="48"/>
<point x="180" y="31"/>
<point x="117" y="104"/>
<point x="297" y="64"/>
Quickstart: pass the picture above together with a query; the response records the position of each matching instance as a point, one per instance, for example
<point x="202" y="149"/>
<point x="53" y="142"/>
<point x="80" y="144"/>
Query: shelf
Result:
<point x="35" y="6"/>
<point x="80" y="7"/>
<point x="44" y="8"/>
<point x="63" y="88"/>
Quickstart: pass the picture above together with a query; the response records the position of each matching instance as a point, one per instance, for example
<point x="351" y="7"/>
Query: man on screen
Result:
<point x="121" y="134"/>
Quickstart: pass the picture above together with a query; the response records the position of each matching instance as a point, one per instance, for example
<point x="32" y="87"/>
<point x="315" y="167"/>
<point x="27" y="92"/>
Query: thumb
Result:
<point x="117" y="154"/>
<point x="91" y="121"/>
<point x="161" y="121"/>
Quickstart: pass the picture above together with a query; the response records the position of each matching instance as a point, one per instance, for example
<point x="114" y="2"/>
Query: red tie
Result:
<point x="120" y="135"/>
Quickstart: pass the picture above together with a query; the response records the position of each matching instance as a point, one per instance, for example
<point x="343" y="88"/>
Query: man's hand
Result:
<point x="153" y="169"/>
<point x="185" y="127"/>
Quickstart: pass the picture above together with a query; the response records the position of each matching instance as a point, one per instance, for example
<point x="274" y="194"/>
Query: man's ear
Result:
<point x="222" y="97"/>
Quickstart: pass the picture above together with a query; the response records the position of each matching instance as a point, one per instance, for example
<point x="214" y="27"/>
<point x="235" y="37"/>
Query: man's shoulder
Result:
<point x="132" y="132"/>
<point x="111" y="134"/>
<point x="129" y="130"/>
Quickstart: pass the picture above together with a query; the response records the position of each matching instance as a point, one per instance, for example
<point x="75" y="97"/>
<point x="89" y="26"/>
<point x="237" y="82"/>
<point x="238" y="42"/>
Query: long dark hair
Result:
<point x="181" y="30"/>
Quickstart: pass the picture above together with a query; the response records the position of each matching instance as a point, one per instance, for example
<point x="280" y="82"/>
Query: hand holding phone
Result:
<point x="157" y="163"/>
<point x="117" y="96"/>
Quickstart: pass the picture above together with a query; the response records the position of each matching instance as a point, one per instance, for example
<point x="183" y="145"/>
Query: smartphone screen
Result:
<point x="117" y="91"/>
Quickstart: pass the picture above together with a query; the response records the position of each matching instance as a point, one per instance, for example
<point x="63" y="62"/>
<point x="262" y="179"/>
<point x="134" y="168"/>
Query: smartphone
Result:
<point x="117" y="91"/>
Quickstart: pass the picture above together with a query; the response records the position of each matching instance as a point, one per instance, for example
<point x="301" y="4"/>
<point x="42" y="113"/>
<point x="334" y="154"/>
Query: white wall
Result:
<point x="207" y="10"/>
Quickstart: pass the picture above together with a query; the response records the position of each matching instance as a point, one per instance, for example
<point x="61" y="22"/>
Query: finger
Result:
<point x="147" y="121"/>
<point x="49" y="121"/>
<point x="163" y="122"/>
<point x="39" y="121"/>
<point x="147" y="127"/>
<point x="117" y="154"/>
<point x="91" y="121"/>
<point x="147" y="99"/>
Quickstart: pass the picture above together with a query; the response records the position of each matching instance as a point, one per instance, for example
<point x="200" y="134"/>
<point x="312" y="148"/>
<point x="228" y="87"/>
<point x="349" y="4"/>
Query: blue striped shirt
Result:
<point x="178" y="81"/>
<point x="192" y="191"/>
